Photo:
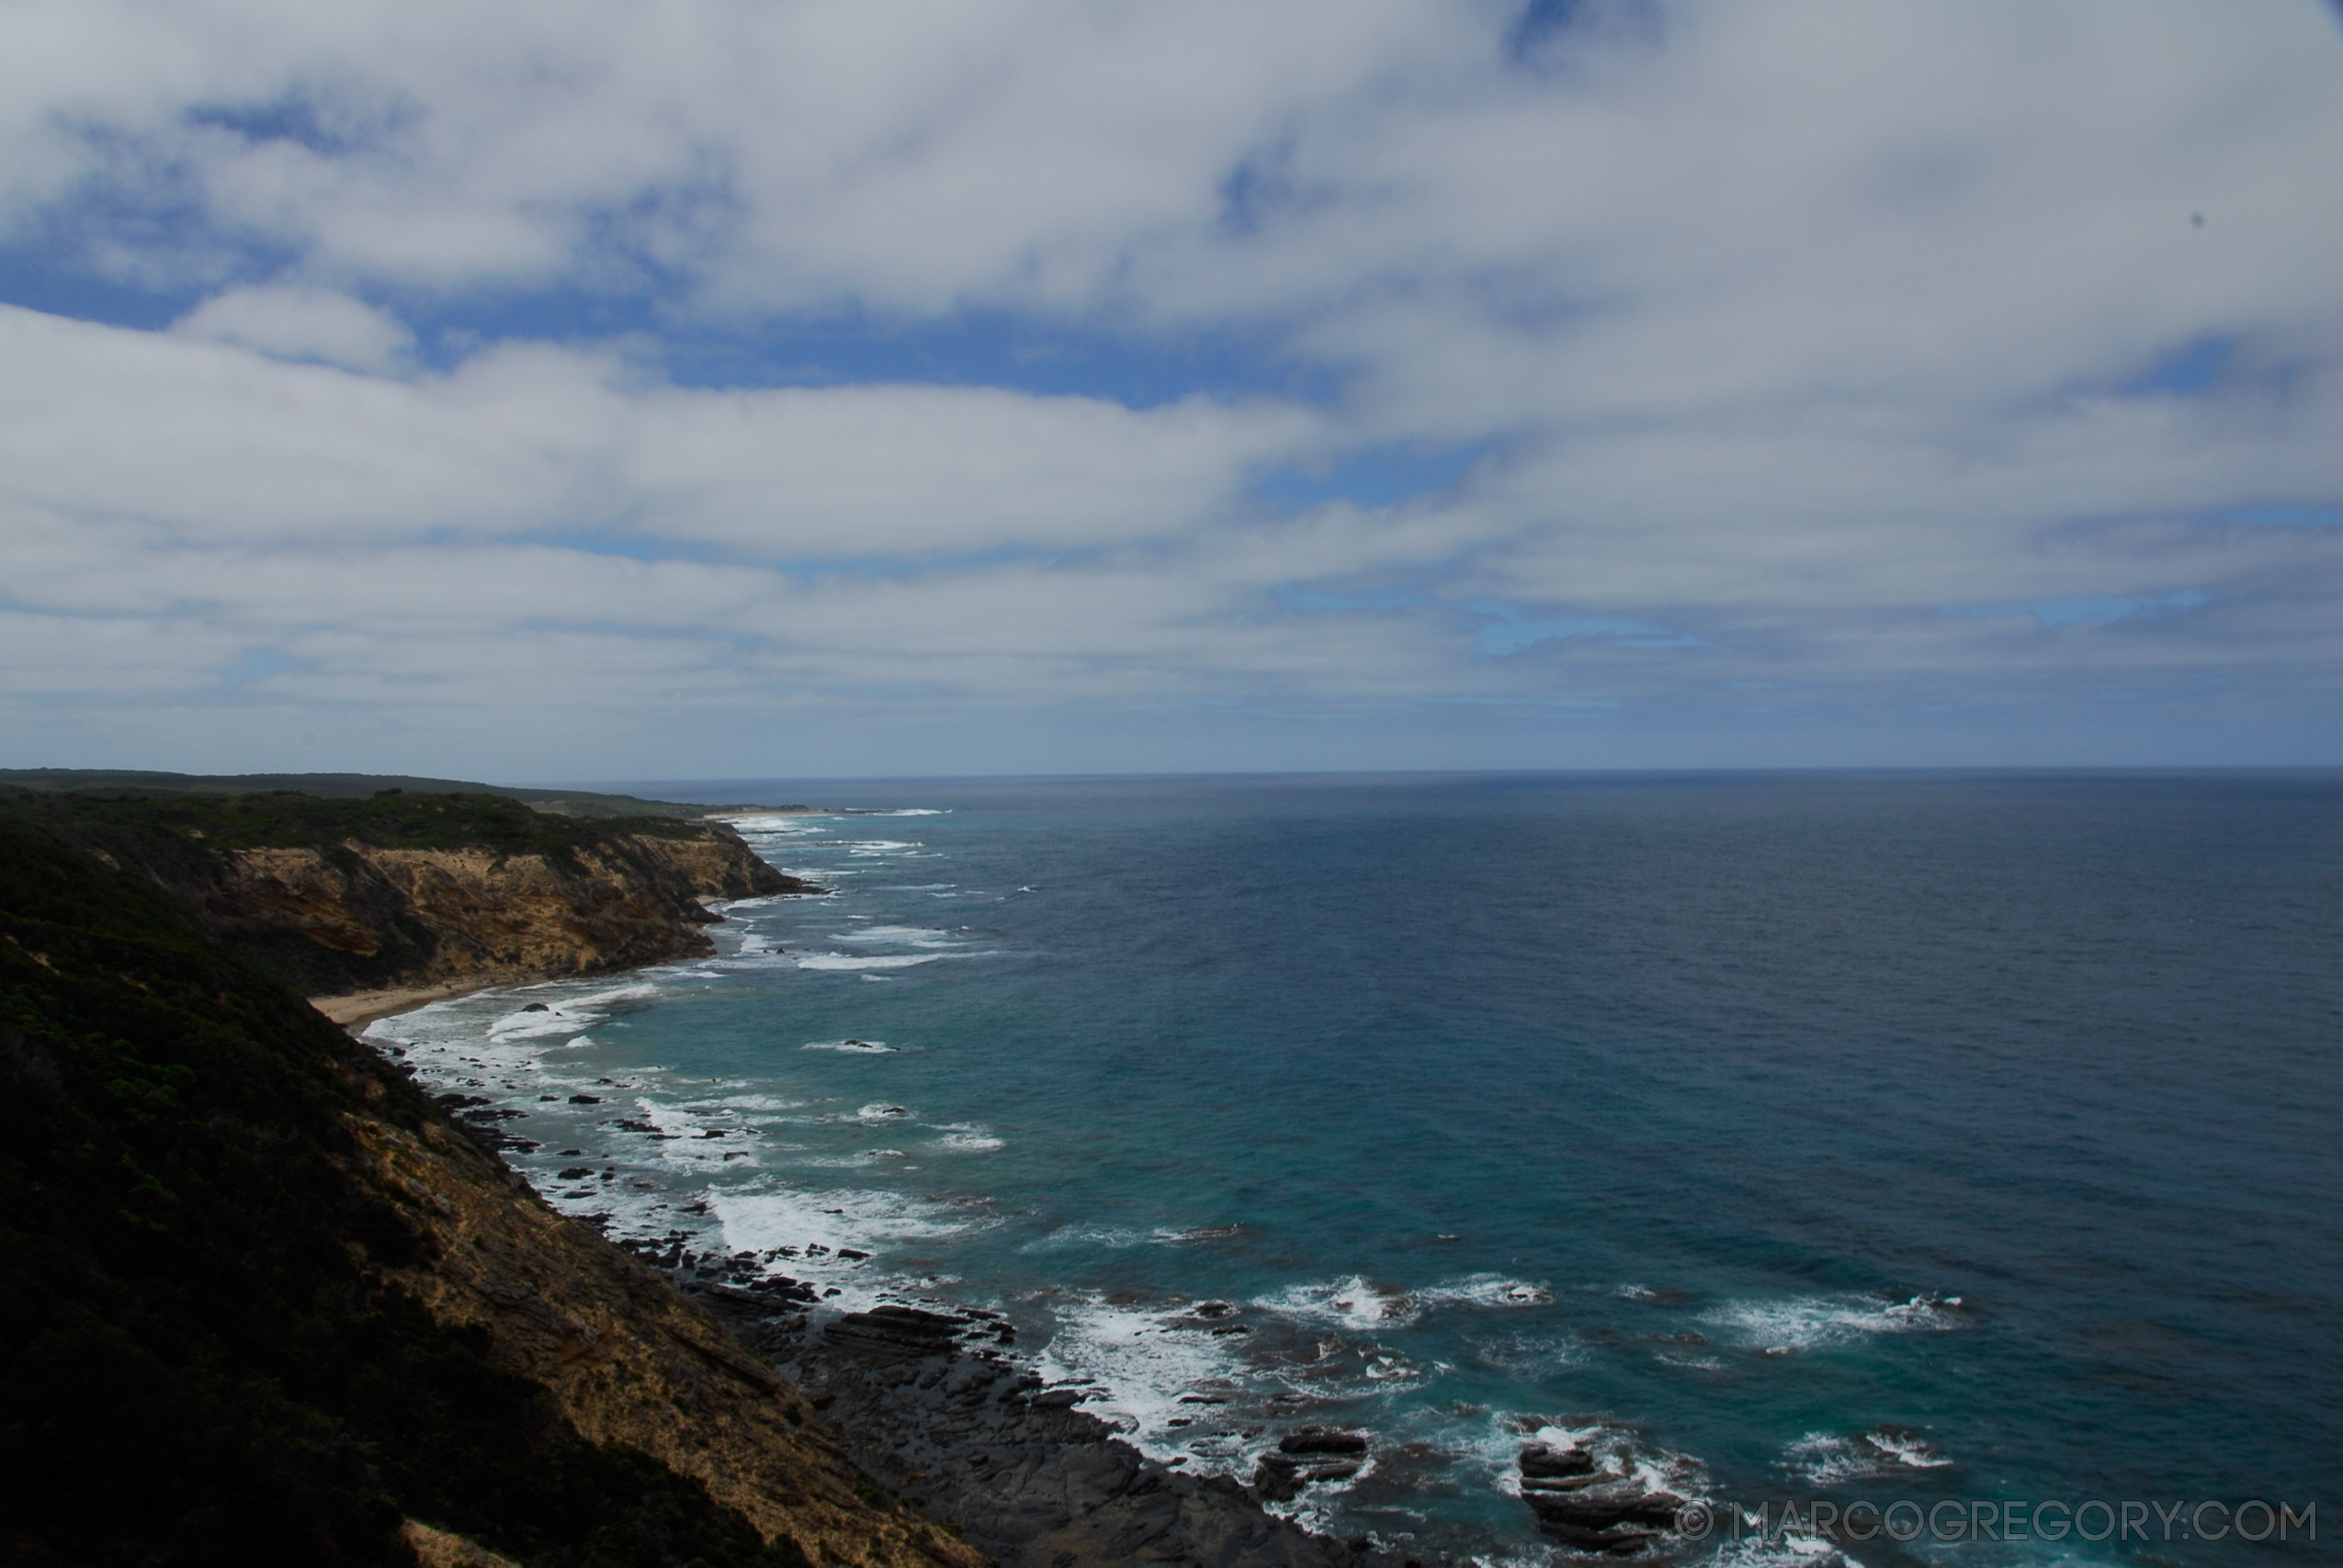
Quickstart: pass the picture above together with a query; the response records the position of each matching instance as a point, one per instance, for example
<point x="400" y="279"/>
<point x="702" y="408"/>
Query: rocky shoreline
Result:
<point x="936" y="1407"/>
<point x="933" y="1402"/>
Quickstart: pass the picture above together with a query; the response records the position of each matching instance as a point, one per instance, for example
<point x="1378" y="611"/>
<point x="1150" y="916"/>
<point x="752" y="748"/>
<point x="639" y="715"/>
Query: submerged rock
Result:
<point x="1540" y="1462"/>
<point x="1620" y="1516"/>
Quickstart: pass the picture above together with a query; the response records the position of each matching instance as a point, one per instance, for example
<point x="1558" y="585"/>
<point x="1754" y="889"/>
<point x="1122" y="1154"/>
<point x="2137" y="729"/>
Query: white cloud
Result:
<point x="1789" y="328"/>
<point x="302" y="323"/>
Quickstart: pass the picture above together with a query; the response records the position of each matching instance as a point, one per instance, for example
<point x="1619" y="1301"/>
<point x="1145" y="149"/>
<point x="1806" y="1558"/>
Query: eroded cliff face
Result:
<point x="373" y="917"/>
<point x="260" y="1301"/>
<point x="629" y="1359"/>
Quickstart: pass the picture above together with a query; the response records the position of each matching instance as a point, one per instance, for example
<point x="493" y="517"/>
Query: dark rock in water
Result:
<point x="774" y="1295"/>
<point x="850" y="1252"/>
<point x="1034" y="1481"/>
<point x="1608" y="1519"/>
<point x="1281" y="1473"/>
<point x="571" y="1173"/>
<point x="458" y="1102"/>
<point x="1539" y="1461"/>
<point x="585" y="1100"/>
<point x="1278" y="1478"/>
<point x="536" y="1007"/>
<point x="894" y="1333"/>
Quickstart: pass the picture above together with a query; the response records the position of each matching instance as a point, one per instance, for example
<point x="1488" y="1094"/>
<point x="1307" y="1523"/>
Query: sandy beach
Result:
<point x="361" y="1008"/>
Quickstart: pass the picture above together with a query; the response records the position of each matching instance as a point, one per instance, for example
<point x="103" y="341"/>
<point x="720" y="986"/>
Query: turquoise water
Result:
<point x="1964" y="1137"/>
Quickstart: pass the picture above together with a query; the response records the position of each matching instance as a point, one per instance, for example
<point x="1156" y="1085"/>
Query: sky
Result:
<point x="568" y="389"/>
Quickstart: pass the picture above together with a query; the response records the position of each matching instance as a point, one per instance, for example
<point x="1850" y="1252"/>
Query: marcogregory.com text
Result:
<point x="1952" y="1518"/>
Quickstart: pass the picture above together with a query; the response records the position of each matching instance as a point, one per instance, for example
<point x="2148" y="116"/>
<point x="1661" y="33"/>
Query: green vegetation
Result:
<point x="200" y="1362"/>
<point x="122" y="821"/>
<point x="348" y="786"/>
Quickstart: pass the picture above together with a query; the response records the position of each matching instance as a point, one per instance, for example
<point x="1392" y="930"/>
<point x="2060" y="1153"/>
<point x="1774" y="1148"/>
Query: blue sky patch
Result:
<point x="1375" y="476"/>
<point x="2188" y="372"/>
<point x="1511" y="632"/>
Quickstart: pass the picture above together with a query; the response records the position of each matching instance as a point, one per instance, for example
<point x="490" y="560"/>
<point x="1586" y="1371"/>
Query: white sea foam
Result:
<point x="1362" y="1306"/>
<point x="1354" y="1304"/>
<point x="1486" y="1290"/>
<point x="1142" y="1362"/>
<point x="1826" y="1459"/>
<point x="1810" y="1323"/>
<point x="1789" y="1550"/>
<point x="970" y="1141"/>
<point x="757" y="1220"/>
<point x="854" y="1047"/>
<point x="898" y="936"/>
<point x="549" y="1012"/>
<point x="731" y="906"/>
<point x="792" y="825"/>
<point x="849" y="961"/>
<point x="761" y="1102"/>
<point x="880" y="1110"/>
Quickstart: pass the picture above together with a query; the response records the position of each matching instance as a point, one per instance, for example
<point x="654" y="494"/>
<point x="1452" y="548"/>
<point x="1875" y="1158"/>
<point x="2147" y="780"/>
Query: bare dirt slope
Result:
<point x="628" y="1359"/>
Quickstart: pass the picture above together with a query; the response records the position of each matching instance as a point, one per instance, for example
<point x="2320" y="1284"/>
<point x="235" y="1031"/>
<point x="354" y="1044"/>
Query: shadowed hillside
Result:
<point x="260" y="1303"/>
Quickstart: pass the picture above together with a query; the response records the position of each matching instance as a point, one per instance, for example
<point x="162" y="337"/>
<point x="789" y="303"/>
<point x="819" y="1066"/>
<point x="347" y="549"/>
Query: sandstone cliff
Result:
<point x="339" y="895"/>
<point x="419" y="916"/>
<point x="262" y="1303"/>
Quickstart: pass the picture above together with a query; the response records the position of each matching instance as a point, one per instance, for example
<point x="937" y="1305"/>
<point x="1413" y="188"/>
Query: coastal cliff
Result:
<point x="397" y="916"/>
<point x="337" y="896"/>
<point x="261" y="1302"/>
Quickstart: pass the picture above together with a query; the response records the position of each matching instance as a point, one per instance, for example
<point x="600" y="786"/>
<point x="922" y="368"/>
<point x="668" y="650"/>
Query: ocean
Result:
<point x="1963" y="1140"/>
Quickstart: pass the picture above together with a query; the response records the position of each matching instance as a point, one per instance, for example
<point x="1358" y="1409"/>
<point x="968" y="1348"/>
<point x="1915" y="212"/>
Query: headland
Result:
<point x="358" y="1337"/>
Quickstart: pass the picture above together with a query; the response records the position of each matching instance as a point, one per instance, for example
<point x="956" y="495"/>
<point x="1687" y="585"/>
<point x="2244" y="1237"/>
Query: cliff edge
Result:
<point x="336" y="897"/>
<point x="261" y="1302"/>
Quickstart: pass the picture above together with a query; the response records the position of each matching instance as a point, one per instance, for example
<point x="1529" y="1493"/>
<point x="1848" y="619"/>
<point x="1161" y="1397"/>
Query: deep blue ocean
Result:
<point x="1968" y="1138"/>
